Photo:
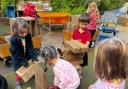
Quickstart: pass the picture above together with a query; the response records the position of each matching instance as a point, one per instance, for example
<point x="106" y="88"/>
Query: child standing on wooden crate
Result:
<point x="94" y="15"/>
<point x="21" y="47"/>
<point x="82" y="34"/>
<point x="111" y="64"/>
<point x="66" y="76"/>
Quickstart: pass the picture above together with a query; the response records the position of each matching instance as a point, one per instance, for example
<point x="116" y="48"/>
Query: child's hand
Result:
<point x="35" y="60"/>
<point x="25" y="64"/>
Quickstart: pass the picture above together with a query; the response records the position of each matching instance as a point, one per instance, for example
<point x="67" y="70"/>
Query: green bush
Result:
<point x="110" y="4"/>
<point x="4" y="3"/>
<point x="72" y="6"/>
<point x="80" y="6"/>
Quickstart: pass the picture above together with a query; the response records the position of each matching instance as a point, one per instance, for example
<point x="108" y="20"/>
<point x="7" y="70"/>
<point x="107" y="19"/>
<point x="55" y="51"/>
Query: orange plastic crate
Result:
<point x="54" y="17"/>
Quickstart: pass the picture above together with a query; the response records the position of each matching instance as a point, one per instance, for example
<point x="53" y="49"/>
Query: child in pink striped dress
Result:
<point x="94" y="15"/>
<point x="66" y="76"/>
<point x="110" y="65"/>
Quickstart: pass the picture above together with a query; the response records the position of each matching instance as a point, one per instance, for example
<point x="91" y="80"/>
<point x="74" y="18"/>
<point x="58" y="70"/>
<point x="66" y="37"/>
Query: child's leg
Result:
<point x="92" y="35"/>
<point x="92" y="32"/>
<point x="17" y="78"/>
<point x="18" y="84"/>
<point x="85" y="60"/>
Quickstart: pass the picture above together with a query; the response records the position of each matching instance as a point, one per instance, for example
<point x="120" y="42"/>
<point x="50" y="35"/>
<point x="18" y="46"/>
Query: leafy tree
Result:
<point x="80" y="6"/>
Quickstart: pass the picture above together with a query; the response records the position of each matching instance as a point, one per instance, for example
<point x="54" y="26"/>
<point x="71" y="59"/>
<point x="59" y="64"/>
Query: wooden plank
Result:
<point x="40" y="80"/>
<point x="26" y="72"/>
<point x="36" y="41"/>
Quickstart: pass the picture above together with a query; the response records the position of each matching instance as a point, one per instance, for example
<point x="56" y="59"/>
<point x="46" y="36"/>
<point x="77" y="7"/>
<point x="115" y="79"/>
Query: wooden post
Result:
<point x="40" y="80"/>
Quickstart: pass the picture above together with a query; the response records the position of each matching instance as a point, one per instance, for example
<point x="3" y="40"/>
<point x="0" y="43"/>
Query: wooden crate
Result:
<point x="26" y="72"/>
<point x="68" y="55"/>
<point x="76" y="46"/>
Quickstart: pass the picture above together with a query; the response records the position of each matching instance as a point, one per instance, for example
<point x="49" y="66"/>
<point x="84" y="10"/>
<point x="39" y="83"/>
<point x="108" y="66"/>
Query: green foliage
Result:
<point x="72" y="6"/>
<point x="80" y="6"/>
<point x="110" y="4"/>
<point x="4" y="3"/>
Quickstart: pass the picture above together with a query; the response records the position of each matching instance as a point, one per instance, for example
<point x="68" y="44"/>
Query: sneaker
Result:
<point x="18" y="85"/>
<point x="93" y="44"/>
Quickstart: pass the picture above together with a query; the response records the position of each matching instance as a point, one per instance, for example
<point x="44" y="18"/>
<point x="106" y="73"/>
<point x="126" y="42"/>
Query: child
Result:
<point x="82" y="34"/>
<point x="21" y="47"/>
<point x="94" y="15"/>
<point x="66" y="76"/>
<point x="111" y="63"/>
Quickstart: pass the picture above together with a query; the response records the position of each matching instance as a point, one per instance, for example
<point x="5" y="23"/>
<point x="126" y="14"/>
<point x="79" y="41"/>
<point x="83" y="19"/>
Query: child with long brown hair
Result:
<point x="111" y="63"/>
<point x="94" y="15"/>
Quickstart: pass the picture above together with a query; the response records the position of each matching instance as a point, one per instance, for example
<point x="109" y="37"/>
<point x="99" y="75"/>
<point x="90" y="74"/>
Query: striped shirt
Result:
<point x="100" y="84"/>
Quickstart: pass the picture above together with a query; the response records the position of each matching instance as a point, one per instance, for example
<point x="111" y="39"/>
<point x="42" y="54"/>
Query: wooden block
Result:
<point x="26" y="73"/>
<point x="76" y="46"/>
